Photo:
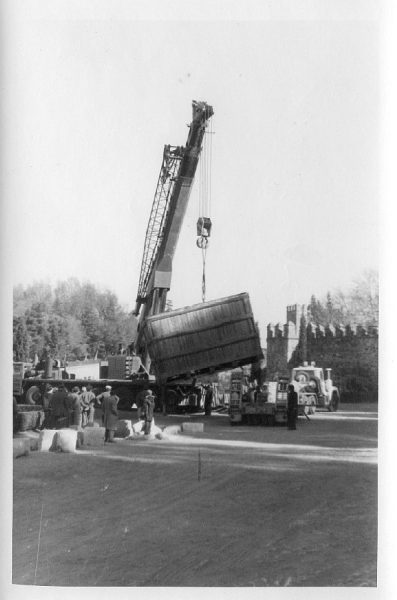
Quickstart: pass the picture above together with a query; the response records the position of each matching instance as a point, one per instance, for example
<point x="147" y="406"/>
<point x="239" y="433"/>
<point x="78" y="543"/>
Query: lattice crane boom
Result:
<point x="154" y="231"/>
<point x="173" y="189"/>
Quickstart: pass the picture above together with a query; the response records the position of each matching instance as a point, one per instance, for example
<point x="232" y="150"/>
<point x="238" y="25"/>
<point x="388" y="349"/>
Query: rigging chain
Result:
<point x="204" y="222"/>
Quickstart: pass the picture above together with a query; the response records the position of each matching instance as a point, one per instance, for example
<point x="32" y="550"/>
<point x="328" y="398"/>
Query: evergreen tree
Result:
<point x="76" y="347"/>
<point x="36" y="326"/>
<point x="364" y="300"/>
<point x="316" y="311"/>
<point x="56" y="335"/>
<point x="303" y="338"/>
<point x="91" y="325"/>
<point x="20" y="339"/>
<point x="359" y="306"/>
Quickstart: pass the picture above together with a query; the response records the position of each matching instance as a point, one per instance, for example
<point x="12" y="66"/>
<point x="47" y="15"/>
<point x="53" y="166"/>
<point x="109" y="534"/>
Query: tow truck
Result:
<point x="313" y="389"/>
<point x="268" y="405"/>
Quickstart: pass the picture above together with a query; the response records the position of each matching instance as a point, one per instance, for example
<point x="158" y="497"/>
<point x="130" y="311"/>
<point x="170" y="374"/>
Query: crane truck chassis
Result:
<point x="240" y="339"/>
<point x="178" y="168"/>
<point x="29" y="391"/>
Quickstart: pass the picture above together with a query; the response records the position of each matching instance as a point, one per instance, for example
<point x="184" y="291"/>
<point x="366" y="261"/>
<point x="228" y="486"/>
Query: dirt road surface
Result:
<point x="232" y="506"/>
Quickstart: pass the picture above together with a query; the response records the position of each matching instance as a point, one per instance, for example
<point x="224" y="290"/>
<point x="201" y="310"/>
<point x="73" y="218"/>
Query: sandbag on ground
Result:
<point x="137" y="427"/>
<point x="192" y="427"/>
<point x="123" y="428"/>
<point x="172" y="430"/>
<point x="156" y="431"/>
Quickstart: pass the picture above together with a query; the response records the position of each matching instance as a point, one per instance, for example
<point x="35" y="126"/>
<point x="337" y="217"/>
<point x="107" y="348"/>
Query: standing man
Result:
<point x="101" y="399"/>
<point x="292" y="407"/>
<point x="148" y="411"/>
<point x="75" y="407"/>
<point x="91" y="410"/>
<point x="84" y="406"/>
<point x="208" y="401"/>
<point x="87" y="398"/>
<point x="110" y="414"/>
<point x="48" y="391"/>
<point x="139" y="400"/>
<point x="59" y="407"/>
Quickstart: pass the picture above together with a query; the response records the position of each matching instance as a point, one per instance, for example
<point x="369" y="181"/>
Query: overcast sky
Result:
<point x="295" y="172"/>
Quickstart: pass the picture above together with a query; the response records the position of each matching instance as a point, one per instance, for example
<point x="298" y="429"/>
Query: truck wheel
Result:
<point x="334" y="404"/>
<point x="301" y="377"/>
<point x="33" y="395"/>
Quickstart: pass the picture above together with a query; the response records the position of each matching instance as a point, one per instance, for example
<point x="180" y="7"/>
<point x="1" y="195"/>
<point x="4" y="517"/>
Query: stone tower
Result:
<point x="282" y="341"/>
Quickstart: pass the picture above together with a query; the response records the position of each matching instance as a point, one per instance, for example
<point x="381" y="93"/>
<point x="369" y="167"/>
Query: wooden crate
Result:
<point x="208" y="336"/>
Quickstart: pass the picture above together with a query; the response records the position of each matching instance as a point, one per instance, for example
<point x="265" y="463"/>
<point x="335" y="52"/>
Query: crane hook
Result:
<point x="202" y="242"/>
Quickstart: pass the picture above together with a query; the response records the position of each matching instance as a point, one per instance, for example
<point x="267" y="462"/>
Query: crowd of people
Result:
<point x="64" y="409"/>
<point x="76" y="408"/>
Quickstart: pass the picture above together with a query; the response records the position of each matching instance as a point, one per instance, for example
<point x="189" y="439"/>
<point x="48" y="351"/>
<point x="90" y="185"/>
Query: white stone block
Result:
<point x="66" y="440"/>
<point x="21" y="447"/>
<point x="93" y="436"/>
<point x="47" y="440"/>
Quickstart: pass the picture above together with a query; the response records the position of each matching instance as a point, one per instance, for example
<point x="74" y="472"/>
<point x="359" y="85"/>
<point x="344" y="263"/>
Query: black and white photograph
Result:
<point x="193" y="235"/>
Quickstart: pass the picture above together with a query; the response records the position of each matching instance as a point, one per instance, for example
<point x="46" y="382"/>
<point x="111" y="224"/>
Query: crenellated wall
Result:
<point x="351" y="353"/>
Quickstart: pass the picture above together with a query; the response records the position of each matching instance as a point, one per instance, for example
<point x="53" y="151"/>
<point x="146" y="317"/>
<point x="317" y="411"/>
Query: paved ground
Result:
<point x="233" y="506"/>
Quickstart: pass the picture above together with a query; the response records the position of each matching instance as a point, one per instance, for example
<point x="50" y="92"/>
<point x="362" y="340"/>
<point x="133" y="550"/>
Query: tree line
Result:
<point x="77" y="320"/>
<point x="357" y="306"/>
<point x="74" y="320"/>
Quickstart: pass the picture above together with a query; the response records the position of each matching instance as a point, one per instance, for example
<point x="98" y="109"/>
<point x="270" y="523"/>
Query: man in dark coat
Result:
<point x="110" y="414"/>
<point x="59" y="408"/>
<point x="139" y="400"/>
<point x="148" y="411"/>
<point x="100" y="399"/>
<point x="208" y="400"/>
<point x="292" y="407"/>
<point x="46" y="401"/>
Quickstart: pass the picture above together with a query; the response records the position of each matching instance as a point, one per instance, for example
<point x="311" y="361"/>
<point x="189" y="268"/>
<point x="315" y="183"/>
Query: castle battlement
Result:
<point x="350" y="350"/>
<point x="289" y="330"/>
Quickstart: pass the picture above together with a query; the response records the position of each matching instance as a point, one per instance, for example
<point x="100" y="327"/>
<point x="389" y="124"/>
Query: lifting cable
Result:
<point x="204" y="222"/>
